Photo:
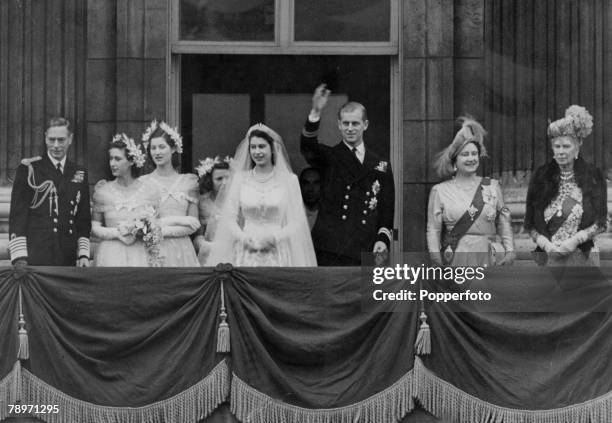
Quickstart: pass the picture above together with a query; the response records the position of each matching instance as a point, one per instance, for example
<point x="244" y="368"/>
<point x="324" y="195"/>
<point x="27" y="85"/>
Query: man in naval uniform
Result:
<point x="358" y="194"/>
<point x="50" y="217"/>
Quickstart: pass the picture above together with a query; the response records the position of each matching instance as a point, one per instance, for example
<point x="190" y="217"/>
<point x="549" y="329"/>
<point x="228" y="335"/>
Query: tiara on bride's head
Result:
<point x="262" y="127"/>
<point x="171" y="132"/>
<point x="133" y="150"/>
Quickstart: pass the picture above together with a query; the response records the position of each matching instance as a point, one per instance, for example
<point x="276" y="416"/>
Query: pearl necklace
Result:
<point x="567" y="175"/>
<point x="470" y="186"/>
<point x="261" y="178"/>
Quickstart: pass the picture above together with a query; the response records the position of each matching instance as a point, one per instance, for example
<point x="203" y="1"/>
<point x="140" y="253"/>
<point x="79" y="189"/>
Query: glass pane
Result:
<point x="342" y="20"/>
<point x="221" y="95"/>
<point x="227" y="20"/>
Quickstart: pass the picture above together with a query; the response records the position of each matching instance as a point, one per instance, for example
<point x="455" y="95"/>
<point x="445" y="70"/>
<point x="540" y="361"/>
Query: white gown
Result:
<point x="257" y="209"/>
<point x="119" y="205"/>
<point x="177" y="193"/>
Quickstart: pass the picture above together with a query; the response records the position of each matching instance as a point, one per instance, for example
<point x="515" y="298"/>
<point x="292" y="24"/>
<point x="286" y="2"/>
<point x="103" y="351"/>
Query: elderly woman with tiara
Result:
<point x="262" y="221"/>
<point x="466" y="213"/>
<point x="567" y="197"/>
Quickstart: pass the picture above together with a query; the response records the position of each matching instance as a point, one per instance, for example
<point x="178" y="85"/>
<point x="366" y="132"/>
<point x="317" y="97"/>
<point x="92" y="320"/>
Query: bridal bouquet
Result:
<point x="147" y="229"/>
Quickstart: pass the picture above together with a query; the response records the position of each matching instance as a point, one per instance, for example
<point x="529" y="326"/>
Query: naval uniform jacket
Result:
<point x="357" y="202"/>
<point x="50" y="216"/>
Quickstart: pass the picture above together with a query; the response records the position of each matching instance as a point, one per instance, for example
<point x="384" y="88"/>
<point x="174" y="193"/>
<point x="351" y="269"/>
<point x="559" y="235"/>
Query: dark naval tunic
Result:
<point x="357" y="203"/>
<point x="50" y="216"/>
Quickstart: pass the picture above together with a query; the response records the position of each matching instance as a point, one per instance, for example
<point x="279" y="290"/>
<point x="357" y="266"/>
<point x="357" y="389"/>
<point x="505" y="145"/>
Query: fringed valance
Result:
<point x="294" y="345"/>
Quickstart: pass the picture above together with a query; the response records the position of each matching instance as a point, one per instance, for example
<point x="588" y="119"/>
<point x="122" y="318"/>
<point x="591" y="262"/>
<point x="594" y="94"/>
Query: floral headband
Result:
<point x="133" y="150"/>
<point x="206" y="165"/>
<point x="171" y="132"/>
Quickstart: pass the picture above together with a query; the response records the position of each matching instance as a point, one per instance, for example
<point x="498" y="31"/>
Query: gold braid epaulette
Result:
<point x="30" y="160"/>
<point x="43" y="190"/>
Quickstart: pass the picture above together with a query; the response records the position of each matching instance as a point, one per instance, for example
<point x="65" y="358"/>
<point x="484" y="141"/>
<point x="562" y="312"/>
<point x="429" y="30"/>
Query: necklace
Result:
<point x="566" y="175"/>
<point x="262" y="178"/>
<point x="470" y="186"/>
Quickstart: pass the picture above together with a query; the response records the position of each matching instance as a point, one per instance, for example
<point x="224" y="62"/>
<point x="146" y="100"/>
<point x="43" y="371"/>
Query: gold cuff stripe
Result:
<point x="18" y="247"/>
<point x="386" y="232"/>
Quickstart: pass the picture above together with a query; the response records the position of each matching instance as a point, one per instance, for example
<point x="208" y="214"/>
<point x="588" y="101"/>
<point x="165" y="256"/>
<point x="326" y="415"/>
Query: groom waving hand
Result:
<point x="358" y="194"/>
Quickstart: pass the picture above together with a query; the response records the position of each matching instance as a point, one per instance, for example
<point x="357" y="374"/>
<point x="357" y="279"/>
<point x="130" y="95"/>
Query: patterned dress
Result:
<point x="567" y="207"/>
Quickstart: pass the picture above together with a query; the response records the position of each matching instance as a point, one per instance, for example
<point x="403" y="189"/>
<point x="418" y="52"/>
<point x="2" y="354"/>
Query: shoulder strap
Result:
<point x="464" y="223"/>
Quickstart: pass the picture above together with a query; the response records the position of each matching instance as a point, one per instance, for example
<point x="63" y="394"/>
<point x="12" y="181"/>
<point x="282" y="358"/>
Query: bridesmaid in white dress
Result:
<point x="213" y="174"/>
<point x="178" y="208"/>
<point x="118" y="203"/>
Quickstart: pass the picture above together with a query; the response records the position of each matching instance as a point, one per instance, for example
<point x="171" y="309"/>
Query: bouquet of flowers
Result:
<point x="147" y="229"/>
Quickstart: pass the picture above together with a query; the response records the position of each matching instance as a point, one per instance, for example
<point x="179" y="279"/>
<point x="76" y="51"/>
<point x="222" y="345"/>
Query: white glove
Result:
<point x="176" y="231"/>
<point x="545" y="244"/>
<point x="102" y="232"/>
<point x="189" y="221"/>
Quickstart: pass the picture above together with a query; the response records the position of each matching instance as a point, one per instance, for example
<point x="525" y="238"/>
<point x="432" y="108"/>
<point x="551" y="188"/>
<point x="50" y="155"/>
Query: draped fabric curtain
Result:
<point x="302" y="345"/>
<point x="542" y="56"/>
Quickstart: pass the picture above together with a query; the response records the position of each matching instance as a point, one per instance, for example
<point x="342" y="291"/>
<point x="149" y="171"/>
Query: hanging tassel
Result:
<point x="422" y="344"/>
<point x="24" y="349"/>
<point x="16" y="386"/>
<point x="223" y="334"/>
<point x="23" y="353"/>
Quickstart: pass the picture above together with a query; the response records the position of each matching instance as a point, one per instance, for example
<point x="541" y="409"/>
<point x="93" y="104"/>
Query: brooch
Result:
<point x="373" y="202"/>
<point x="79" y="176"/>
<point x="488" y="195"/>
<point x="375" y="187"/>
<point x="382" y="166"/>
<point x="472" y="211"/>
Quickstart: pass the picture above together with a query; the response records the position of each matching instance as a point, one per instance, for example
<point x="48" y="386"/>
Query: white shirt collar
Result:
<point x="55" y="162"/>
<point x="360" y="153"/>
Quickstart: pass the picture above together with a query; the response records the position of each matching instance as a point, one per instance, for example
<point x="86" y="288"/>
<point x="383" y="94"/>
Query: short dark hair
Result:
<point x="351" y="106"/>
<point x="206" y="181"/>
<point x="309" y="169"/>
<point x="59" y="121"/>
<point x="120" y="145"/>
<point x="262" y="134"/>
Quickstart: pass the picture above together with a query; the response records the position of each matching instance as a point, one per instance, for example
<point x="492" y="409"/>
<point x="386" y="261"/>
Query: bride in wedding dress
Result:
<point x="262" y="220"/>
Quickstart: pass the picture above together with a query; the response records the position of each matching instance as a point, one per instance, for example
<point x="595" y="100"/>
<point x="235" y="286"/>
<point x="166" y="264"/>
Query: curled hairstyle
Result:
<point x="471" y="132"/>
<point x="206" y="181"/>
<point x="160" y="133"/>
<point x="262" y="134"/>
<point x="120" y="145"/>
<point x="351" y="106"/>
<point x="577" y="124"/>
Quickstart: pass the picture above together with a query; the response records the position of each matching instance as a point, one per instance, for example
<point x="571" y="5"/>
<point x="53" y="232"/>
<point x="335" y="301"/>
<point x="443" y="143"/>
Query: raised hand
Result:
<point x="319" y="98"/>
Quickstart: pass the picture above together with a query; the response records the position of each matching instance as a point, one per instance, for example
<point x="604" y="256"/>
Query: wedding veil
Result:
<point x="225" y="234"/>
